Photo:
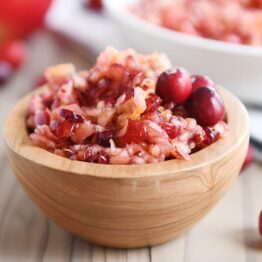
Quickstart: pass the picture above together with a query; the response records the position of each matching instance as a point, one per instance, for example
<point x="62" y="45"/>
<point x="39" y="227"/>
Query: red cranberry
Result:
<point x="206" y="106"/>
<point x="169" y="105"/>
<point x="180" y="111"/>
<point x="14" y="52"/>
<point x="172" y="130"/>
<point x="6" y="71"/>
<point x="152" y="102"/>
<point x="103" y="138"/>
<point x="210" y="136"/>
<point x="174" y="85"/>
<point x="249" y="157"/>
<point x="70" y="115"/>
<point x="62" y="128"/>
<point x="201" y="81"/>
<point x="42" y="118"/>
<point x="94" y="4"/>
<point x="65" y="125"/>
<point x="154" y="116"/>
<point x="260" y="223"/>
<point x="136" y="133"/>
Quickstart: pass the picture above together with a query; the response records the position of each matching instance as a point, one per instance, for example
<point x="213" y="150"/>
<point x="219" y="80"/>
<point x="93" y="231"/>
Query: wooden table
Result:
<point x="227" y="234"/>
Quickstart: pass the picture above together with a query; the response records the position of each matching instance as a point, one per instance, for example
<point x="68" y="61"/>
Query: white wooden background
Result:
<point x="227" y="234"/>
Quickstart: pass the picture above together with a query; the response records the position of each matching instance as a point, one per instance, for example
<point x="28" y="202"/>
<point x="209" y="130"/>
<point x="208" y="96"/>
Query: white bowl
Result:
<point x="237" y="67"/>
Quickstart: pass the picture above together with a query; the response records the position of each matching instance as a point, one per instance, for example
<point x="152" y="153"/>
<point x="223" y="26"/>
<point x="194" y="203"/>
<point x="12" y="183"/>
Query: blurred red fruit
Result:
<point x="260" y="223"/>
<point x="18" y="18"/>
<point x="6" y="71"/>
<point x="249" y="157"/>
<point x="94" y="4"/>
<point x="13" y="52"/>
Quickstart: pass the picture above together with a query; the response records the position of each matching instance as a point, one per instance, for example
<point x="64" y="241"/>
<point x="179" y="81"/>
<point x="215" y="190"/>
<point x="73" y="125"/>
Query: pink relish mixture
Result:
<point x="236" y="21"/>
<point x="111" y="114"/>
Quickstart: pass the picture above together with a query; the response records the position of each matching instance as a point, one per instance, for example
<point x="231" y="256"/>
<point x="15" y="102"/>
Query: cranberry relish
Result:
<point x="128" y="109"/>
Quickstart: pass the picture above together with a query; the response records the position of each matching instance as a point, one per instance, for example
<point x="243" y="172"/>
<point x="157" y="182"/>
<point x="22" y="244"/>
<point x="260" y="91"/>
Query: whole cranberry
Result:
<point x="200" y="81"/>
<point x="174" y="85"/>
<point x="260" y="223"/>
<point x="6" y="71"/>
<point x="206" y="106"/>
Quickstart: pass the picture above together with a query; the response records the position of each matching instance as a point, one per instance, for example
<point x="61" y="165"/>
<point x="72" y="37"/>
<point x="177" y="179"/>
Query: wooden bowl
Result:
<point x="128" y="205"/>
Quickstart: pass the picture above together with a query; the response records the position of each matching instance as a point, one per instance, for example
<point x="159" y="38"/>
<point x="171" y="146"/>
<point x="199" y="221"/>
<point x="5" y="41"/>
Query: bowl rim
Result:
<point x="17" y="140"/>
<point x="118" y="10"/>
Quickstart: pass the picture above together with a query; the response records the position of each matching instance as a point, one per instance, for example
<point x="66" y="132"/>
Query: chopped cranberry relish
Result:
<point x="128" y="109"/>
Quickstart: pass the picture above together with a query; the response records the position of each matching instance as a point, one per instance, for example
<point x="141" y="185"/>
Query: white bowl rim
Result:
<point x="118" y="10"/>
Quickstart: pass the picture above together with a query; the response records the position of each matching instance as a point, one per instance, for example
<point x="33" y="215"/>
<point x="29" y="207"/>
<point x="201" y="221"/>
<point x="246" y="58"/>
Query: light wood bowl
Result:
<point x="128" y="205"/>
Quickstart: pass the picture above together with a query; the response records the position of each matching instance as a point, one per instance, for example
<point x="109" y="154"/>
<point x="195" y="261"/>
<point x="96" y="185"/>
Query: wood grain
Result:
<point x="200" y="242"/>
<point x="131" y="205"/>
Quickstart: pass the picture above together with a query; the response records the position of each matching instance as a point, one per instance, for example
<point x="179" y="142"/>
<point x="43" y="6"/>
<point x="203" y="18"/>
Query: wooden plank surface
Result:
<point x="228" y="233"/>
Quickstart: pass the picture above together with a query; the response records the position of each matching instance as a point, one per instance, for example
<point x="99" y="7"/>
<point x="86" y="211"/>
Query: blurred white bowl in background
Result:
<point x="236" y="67"/>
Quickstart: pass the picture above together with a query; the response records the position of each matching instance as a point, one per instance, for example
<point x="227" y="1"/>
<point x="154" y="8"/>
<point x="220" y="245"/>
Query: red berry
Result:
<point x="152" y="102"/>
<point x="206" y="106"/>
<point x="64" y="121"/>
<point x="42" y="118"/>
<point x="70" y="116"/>
<point x="174" y="85"/>
<point x="95" y="4"/>
<point x="201" y="81"/>
<point x="62" y="128"/>
<point x="260" y="223"/>
<point x="19" y="18"/>
<point x="249" y="157"/>
<point x="172" y="130"/>
<point x="103" y="138"/>
<point x="6" y="71"/>
<point x="14" y="52"/>
<point x="169" y="105"/>
<point x="136" y="133"/>
<point x="154" y="116"/>
<point x="210" y="136"/>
